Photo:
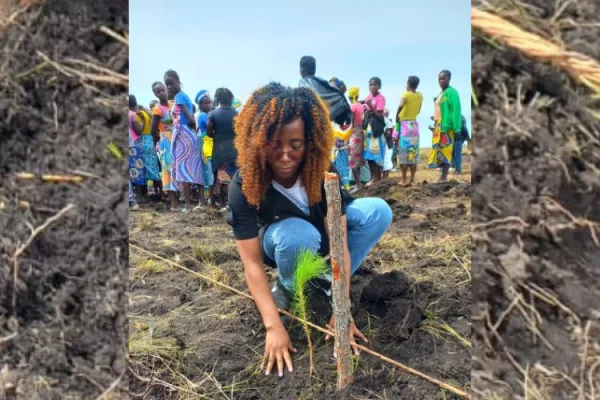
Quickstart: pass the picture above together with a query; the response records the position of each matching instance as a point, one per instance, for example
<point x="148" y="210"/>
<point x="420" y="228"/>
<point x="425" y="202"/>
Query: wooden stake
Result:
<point x="341" y="302"/>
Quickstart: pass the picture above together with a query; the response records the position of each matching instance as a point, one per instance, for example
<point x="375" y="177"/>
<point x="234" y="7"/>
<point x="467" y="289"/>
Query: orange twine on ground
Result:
<point x="581" y="67"/>
<point x="395" y="363"/>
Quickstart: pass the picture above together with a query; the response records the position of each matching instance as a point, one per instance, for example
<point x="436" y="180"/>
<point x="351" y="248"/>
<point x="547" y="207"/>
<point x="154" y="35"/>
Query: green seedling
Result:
<point x="309" y="265"/>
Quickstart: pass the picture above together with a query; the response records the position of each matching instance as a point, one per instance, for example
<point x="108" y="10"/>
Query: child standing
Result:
<point x="205" y="147"/>
<point x="220" y="129"/>
<point x="388" y="164"/>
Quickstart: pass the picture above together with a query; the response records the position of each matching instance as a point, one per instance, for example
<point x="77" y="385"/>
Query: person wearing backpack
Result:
<point x="374" y="122"/>
<point x="339" y="108"/>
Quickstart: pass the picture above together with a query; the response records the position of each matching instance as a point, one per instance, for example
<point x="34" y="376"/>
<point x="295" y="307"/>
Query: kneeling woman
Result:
<point x="277" y="203"/>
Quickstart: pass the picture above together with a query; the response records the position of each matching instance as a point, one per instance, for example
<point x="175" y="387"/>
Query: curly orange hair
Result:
<point x="258" y="128"/>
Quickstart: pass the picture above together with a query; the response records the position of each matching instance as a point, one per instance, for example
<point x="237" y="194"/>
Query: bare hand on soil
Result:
<point x="353" y="332"/>
<point x="277" y="348"/>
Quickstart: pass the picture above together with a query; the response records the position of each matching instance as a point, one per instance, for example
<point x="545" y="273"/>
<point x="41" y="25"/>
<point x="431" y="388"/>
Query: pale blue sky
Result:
<point x="243" y="45"/>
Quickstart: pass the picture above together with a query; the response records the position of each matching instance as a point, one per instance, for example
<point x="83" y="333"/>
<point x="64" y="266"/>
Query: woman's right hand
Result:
<point x="277" y="349"/>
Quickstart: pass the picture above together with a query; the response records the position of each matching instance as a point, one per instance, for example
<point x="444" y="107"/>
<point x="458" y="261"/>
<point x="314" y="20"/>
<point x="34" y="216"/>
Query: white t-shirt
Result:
<point x="389" y="124"/>
<point x="296" y="194"/>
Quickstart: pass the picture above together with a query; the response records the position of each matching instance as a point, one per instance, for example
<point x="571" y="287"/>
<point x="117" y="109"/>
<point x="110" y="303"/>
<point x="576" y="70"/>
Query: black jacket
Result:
<point x="248" y="222"/>
<point x="339" y="108"/>
<point x="464" y="132"/>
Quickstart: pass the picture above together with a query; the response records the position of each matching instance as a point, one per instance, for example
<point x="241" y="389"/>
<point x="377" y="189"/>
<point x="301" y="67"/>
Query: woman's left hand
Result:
<point x="353" y="333"/>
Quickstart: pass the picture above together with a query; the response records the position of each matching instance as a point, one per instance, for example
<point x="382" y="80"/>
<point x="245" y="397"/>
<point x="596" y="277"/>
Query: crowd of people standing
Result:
<point x="186" y="147"/>
<point x="182" y="146"/>
<point x="380" y="143"/>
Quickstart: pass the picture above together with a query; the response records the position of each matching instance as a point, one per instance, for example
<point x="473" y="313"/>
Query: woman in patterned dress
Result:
<point x="375" y="143"/>
<point x="357" y="138"/>
<point x="148" y="148"/>
<point x="448" y="121"/>
<point x="187" y="163"/>
<point x="163" y="122"/>
<point x="137" y="171"/>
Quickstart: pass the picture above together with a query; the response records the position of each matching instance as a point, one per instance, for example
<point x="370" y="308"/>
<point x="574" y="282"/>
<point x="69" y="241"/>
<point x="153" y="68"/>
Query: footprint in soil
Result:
<point x="426" y="226"/>
<point x="399" y="209"/>
<point x="382" y="188"/>
<point x="423" y="289"/>
<point x="402" y="318"/>
<point x="385" y="287"/>
<point x="438" y="189"/>
<point x="461" y="190"/>
<point x="448" y="212"/>
<point x="430" y="263"/>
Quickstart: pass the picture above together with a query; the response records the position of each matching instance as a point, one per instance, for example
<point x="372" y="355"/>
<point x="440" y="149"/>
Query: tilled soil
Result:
<point x="536" y="211"/>
<point x="189" y="337"/>
<point x="65" y="334"/>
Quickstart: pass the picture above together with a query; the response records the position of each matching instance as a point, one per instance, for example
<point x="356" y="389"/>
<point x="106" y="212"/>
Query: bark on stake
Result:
<point x="341" y="302"/>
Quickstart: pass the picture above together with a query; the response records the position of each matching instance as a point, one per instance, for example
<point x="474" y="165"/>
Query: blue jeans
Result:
<point x="457" y="155"/>
<point x="368" y="219"/>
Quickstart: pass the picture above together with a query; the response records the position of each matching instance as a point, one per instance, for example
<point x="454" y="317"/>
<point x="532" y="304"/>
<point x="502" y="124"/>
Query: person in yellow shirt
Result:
<point x="407" y="127"/>
<point x="340" y="156"/>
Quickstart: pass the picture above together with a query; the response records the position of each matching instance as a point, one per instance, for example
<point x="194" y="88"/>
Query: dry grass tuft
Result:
<point x="151" y="266"/>
<point x="218" y="274"/>
<point x="452" y="251"/>
<point x="440" y="329"/>
<point x="144" y="345"/>
<point x="10" y="10"/>
<point x="204" y="252"/>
